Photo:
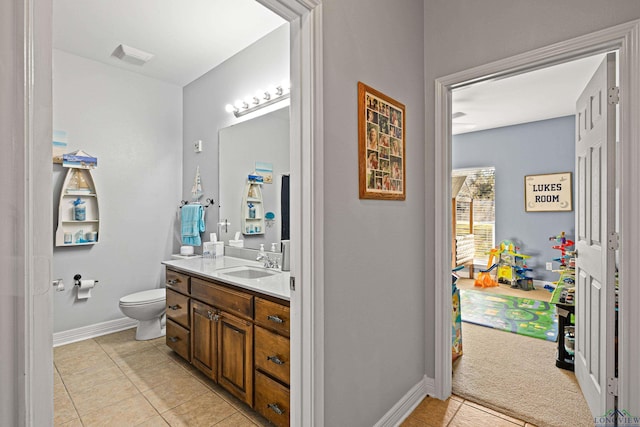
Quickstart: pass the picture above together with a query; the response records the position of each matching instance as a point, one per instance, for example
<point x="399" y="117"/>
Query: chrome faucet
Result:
<point x="268" y="261"/>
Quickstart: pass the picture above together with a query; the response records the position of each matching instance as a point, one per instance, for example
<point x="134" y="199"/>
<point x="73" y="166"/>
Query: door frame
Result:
<point x="31" y="119"/>
<point x="625" y="38"/>
<point x="307" y="248"/>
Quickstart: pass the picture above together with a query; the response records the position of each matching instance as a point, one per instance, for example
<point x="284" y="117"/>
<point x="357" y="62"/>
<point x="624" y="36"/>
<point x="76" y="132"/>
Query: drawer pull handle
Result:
<point x="275" y="319"/>
<point x="275" y="359"/>
<point x="213" y="316"/>
<point x="172" y="282"/>
<point x="274" y="407"/>
<point x="173" y="339"/>
<point x="175" y="307"/>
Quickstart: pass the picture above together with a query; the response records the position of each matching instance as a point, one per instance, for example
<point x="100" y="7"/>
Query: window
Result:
<point x="475" y="209"/>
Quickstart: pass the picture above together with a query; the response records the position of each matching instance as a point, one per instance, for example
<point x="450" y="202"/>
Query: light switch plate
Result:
<point x="197" y="146"/>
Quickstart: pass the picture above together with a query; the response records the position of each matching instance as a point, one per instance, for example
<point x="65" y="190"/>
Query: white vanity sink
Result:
<point x="248" y="272"/>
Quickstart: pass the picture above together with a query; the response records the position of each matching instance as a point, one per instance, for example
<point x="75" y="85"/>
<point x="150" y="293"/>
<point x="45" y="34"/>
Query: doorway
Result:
<point x="34" y="328"/>
<point x="508" y="330"/>
<point x="608" y="40"/>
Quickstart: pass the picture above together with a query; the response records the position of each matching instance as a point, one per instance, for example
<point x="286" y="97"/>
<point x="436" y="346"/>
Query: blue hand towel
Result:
<point x="192" y="218"/>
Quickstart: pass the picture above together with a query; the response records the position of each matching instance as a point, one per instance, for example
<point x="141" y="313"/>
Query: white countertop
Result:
<point x="276" y="285"/>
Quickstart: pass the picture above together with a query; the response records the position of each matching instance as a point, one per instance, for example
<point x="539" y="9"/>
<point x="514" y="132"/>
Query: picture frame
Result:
<point x="381" y="145"/>
<point x="548" y="192"/>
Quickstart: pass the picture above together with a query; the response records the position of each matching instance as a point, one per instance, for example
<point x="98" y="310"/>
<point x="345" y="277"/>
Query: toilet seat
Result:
<point x="144" y="297"/>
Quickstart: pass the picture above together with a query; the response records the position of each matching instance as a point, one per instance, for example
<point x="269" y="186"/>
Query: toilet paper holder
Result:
<point x="76" y="280"/>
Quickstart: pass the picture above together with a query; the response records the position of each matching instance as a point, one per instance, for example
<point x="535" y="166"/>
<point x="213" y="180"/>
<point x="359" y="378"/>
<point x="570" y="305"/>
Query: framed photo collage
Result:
<point x="381" y="145"/>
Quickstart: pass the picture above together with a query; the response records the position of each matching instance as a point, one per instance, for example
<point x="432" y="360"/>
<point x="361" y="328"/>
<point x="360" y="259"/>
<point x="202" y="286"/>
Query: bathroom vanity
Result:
<point x="229" y="318"/>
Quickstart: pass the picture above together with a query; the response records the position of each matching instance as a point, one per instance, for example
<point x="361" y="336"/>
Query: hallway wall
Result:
<point x="374" y="252"/>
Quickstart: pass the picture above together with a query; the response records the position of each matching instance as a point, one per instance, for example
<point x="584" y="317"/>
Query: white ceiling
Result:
<point x="187" y="38"/>
<point x="538" y="95"/>
<point x="190" y="38"/>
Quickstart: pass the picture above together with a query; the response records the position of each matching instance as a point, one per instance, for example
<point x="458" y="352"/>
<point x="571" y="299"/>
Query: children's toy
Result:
<point x="564" y="299"/>
<point x="566" y="282"/>
<point x="484" y="278"/>
<point x="456" y="319"/>
<point x="510" y="268"/>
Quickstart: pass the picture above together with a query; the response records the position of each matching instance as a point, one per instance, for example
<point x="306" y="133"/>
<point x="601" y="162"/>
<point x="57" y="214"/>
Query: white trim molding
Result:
<point x="405" y="406"/>
<point x="92" y="331"/>
<point x="307" y="300"/>
<point x="624" y="38"/>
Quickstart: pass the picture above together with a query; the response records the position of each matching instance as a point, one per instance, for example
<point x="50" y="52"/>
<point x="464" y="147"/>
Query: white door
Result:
<point x="595" y="238"/>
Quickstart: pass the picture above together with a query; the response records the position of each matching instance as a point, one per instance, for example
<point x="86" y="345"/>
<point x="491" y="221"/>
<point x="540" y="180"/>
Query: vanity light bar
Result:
<point x="260" y="100"/>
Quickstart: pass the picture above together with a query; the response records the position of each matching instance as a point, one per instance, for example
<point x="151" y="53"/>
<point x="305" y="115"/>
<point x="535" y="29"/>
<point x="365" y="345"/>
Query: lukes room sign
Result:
<point x="548" y="193"/>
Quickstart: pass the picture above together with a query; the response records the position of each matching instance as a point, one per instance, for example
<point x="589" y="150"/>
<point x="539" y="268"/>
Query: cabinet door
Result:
<point x="235" y="357"/>
<point x="204" y="338"/>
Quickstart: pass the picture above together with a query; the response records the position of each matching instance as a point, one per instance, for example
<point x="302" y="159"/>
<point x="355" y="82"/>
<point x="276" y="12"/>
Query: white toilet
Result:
<point x="148" y="308"/>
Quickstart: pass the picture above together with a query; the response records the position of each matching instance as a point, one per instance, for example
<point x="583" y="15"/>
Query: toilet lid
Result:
<point x="144" y="297"/>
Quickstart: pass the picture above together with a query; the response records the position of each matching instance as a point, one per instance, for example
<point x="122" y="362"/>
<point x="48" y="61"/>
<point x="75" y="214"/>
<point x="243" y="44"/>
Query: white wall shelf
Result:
<point x="78" y="183"/>
<point x="252" y="211"/>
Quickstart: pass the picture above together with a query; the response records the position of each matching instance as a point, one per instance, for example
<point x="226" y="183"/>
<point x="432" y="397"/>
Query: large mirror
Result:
<point x="264" y="139"/>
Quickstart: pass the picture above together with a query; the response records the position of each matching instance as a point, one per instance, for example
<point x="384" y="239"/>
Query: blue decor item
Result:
<point x="192" y="219"/>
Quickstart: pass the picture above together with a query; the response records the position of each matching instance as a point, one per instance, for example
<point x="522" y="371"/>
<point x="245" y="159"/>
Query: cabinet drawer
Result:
<point x="272" y="354"/>
<point x="230" y="300"/>
<point x="178" y="339"/>
<point x="178" y="308"/>
<point x="177" y="281"/>
<point x="272" y="400"/>
<point x="272" y="316"/>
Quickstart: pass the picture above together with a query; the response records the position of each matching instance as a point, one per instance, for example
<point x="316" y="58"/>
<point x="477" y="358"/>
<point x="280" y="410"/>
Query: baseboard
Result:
<point x="92" y="331"/>
<point x="407" y="404"/>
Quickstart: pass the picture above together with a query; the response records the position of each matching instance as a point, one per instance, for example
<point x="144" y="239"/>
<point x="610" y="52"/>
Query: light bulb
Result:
<point x="238" y="104"/>
<point x="229" y="108"/>
<point x="271" y="90"/>
<point x="286" y="85"/>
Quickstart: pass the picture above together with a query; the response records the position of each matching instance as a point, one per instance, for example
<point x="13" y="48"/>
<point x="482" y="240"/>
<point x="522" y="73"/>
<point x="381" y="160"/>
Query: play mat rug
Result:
<point x="522" y="316"/>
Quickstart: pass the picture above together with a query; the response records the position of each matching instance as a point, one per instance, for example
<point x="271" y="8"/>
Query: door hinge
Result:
<point x="614" y="241"/>
<point x="292" y="283"/>
<point x="614" y="95"/>
<point x="612" y="386"/>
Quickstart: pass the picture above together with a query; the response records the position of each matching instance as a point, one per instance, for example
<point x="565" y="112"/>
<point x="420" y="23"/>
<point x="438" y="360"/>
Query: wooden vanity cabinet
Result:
<point x="178" y="308"/>
<point x="204" y="339"/>
<point x="238" y="339"/>
<point x="272" y="361"/>
<point x="222" y="336"/>
<point x="178" y="333"/>
<point x="235" y="357"/>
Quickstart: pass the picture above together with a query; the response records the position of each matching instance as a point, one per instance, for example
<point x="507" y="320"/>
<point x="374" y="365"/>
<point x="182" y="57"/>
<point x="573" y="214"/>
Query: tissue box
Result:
<point x="236" y="243"/>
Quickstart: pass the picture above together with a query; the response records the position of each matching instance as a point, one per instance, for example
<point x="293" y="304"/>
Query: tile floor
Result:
<point x="115" y="380"/>
<point x="457" y="412"/>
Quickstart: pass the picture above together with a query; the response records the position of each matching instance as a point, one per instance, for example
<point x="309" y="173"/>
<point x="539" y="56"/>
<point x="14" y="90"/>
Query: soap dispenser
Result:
<point x="286" y="255"/>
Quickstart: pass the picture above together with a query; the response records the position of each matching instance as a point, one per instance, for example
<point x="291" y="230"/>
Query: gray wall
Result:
<point x="264" y="63"/>
<point x="461" y="34"/>
<point x="515" y="151"/>
<point x="133" y="125"/>
<point x="374" y="254"/>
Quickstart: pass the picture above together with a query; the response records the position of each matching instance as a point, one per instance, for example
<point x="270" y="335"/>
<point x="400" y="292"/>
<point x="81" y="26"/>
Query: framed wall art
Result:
<point x="548" y="193"/>
<point x="381" y="145"/>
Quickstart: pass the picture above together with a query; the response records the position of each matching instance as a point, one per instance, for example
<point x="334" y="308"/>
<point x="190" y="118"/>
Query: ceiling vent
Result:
<point x="132" y="55"/>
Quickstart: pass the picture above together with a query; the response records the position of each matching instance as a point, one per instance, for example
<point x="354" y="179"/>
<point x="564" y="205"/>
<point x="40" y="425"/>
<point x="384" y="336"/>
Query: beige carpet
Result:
<point x="517" y="375"/>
